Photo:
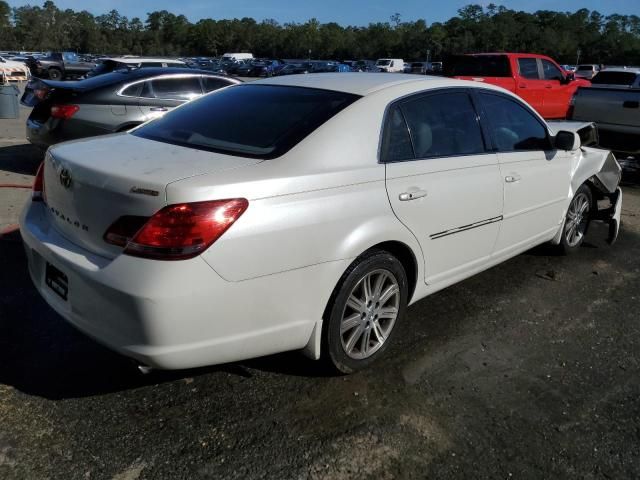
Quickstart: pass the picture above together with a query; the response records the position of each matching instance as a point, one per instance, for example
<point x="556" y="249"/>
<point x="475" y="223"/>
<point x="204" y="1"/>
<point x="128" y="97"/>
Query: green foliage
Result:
<point x="613" y="39"/>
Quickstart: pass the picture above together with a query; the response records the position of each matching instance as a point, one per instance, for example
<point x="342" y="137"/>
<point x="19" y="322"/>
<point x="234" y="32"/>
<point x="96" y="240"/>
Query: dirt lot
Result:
<point x="529" y="370"/>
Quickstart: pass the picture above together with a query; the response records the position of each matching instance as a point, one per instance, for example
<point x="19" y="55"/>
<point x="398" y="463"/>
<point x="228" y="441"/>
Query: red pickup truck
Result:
<point x="537" y="79"/>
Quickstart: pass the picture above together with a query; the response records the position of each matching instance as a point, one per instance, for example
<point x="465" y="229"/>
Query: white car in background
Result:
<point x="302" y="212"/>
<point x="390" y="65"/>
<point x="11" y="70"/>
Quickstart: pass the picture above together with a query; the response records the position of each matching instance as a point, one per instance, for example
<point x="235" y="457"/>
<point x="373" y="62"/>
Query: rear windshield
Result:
<point x="260" y="121"/>
<point x="584" y="68"/>
<point x="614" y="78"/>
<point x="478" y="66"/>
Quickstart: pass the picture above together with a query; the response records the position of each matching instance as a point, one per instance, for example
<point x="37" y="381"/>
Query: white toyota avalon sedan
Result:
<point x="301" y="212"/>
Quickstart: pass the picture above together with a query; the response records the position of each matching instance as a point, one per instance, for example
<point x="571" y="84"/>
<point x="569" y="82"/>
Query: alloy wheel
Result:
<point x="370" y="314"/>
<point x="577" y="219"/>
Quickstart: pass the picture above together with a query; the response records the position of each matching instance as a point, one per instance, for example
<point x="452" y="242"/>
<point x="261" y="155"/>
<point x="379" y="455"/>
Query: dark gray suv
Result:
<point x="109" y="103"/>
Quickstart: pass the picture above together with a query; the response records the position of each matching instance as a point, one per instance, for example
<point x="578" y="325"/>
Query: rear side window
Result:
<point x="443" y="125"/>
<point x="528" y="68"/>
<point x="513" y="127"/>
<point x="259" y="121"/>
<point x="396" y="142"/>
<point x="615" y="78"/>
<point x="478" y="66"/>
<point x="132" y="90"/>
<point x="211" y="83"/>
<point x="180" y="88"/>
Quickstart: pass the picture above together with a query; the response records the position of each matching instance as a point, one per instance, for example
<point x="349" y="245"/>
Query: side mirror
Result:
<point x="570" y="77"/>
<point x="567" y="141"/>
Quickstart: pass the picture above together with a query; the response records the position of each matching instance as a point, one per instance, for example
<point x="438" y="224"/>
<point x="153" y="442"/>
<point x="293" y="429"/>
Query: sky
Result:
<point x="344" y="12"/>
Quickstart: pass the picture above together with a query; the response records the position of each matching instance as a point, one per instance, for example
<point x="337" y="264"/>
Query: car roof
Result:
<point x="361" y="83"/>
<point x="143" y="59"/>
<point x="119" y="76"/>
<point x="622" y="70"/>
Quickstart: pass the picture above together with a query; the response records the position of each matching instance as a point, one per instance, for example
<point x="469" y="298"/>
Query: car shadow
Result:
<point x="42" y="355"/>
<point x="22" y="159"/>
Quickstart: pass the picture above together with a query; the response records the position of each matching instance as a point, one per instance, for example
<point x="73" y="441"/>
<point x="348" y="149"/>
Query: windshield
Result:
<point x="383" y="62"/>
<point x="260" y="121"/>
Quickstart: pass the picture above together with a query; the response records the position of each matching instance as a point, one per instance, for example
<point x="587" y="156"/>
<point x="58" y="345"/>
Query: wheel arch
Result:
<point x="400" y="250"/>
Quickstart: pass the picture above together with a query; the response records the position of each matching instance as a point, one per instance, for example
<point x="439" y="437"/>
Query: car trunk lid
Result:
<point x="89" y="184"/>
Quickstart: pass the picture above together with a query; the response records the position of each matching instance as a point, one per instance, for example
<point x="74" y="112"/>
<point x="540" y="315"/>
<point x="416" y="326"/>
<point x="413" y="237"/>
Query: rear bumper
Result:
<point x="52" y="131"/>
<point x="174" y="315"/>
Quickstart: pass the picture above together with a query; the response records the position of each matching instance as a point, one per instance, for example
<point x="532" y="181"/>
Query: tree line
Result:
<point x="595" y="38"/>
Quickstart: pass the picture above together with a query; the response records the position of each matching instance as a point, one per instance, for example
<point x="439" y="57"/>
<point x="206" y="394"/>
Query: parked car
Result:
<point x="536" y="78"/>
<point x="587" y="71"/>
<point x="13" y="70"/>
<point x="233" y="67"/>
<point x="365" y="66"/>
<point x="60" y="65"/>
<point x="292" y="69"/>
<point x="265" y="68"/>
<point x="569" y="68"/>
<point x="613" y="103"/>
<point x="390" y="65"/>
<point x="237" y="57"/>
<point x="303" y="212"/>
<point x="111" y="102"/>
<point x="119" y="63"/>
<point x="420" y="68"/>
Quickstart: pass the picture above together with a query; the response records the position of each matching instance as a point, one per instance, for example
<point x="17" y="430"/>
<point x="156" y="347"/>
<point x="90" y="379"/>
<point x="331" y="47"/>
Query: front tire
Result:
<point x="577" y="220"/>
<point x="364" y="311"/>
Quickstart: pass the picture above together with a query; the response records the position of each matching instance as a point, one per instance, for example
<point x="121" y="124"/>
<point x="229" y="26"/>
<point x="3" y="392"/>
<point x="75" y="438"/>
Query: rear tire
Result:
<point x="576" y="223"/>
<point x="55" y="74"/>
<point x="364" y="311"/>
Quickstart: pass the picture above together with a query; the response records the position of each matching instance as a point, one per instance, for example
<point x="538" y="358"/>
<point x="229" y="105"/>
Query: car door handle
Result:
<point x="412" y="194"/>
<point x="548" y="86"/>
<point x="159" y="109"/>
<point x="512" y="178"/>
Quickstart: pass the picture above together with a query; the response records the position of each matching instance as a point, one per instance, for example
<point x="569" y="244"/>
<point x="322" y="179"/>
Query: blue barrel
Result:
<point x="9" y="107"/>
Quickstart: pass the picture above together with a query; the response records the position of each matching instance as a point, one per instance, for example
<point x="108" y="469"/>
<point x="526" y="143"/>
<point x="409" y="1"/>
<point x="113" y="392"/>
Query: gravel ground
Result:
<point x="528" y="370"/>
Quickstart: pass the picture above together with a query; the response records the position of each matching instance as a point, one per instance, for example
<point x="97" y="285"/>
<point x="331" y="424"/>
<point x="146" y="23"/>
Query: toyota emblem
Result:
<point x="65" y="178"/>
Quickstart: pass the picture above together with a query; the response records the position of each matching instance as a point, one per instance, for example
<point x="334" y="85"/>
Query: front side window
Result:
<point x="550" y="71"/>
<point x="443" y="125"/>
<point x="528" y="68"/>
<point x="70" y="57"/>
<point x="259" y="121"/>
<point x="513" y="127"/>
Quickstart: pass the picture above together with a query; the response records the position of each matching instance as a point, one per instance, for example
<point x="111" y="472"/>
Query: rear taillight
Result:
<point x="176" y="232"/>
<point x="64" y="112"/>
<point x="41" y="93"/>
<point x="124" y="229"/>
<point x="37" y="194"/>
